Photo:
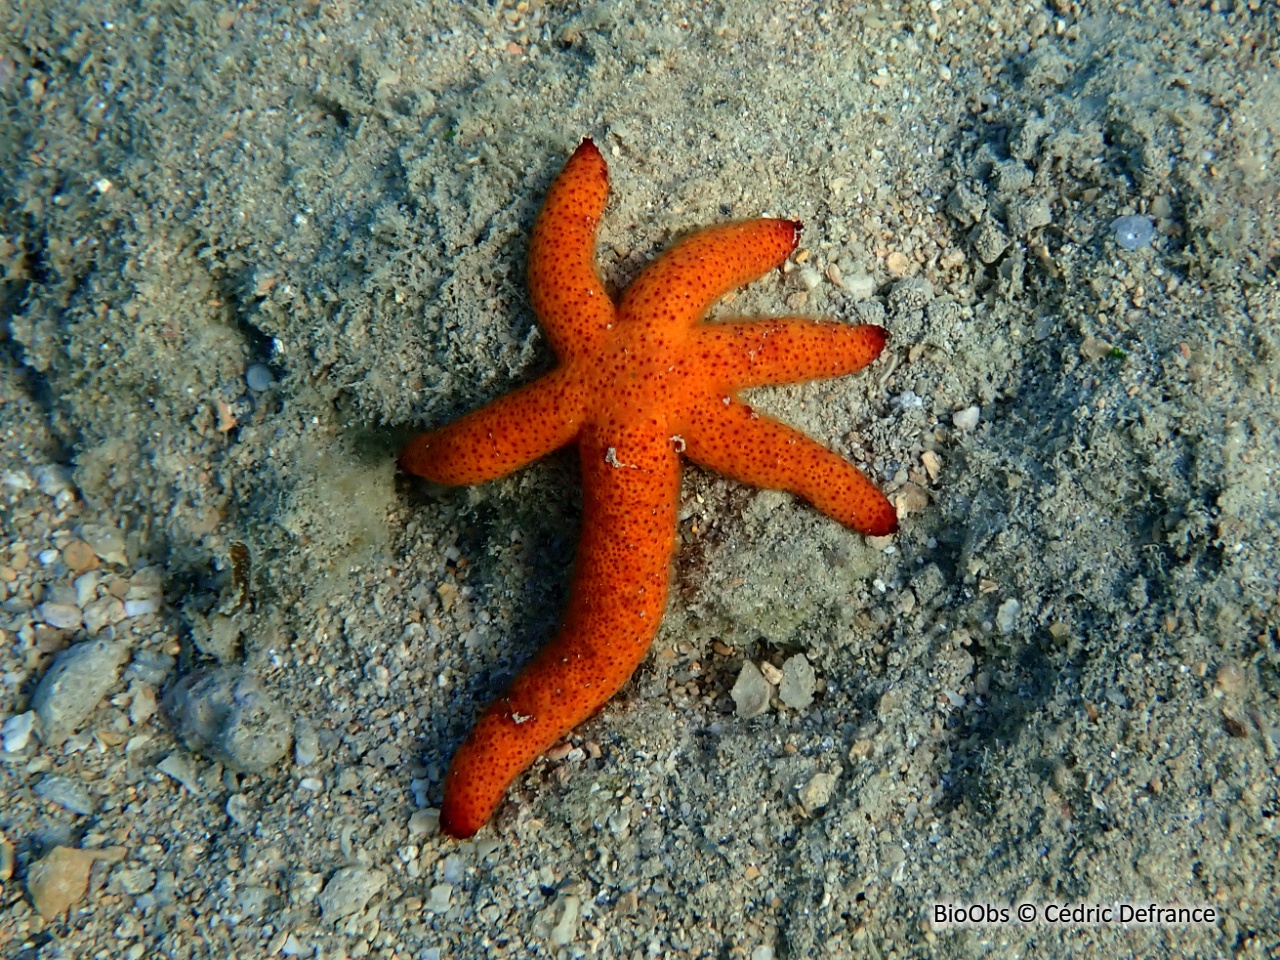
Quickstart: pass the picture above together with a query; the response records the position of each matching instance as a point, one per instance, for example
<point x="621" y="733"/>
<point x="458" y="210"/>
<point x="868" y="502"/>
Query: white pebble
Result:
<point x="48" y="557"/>
<point x="86" y="587"/>
<point x="860" y="286"/>
<point x="17" y="731"/>
<point x="810" y="278"/>
<point x="1007" y="615"/>
<point x="140" y="608"/>
<point x="18" y="479"/>
<point x="52" y="479"/>
<point x="967" y="418"/>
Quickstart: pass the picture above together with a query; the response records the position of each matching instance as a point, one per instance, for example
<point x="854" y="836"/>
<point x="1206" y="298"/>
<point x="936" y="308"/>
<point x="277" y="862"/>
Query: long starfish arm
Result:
<point x="501" y="436"/>
<point x="735" y="440"/>
<point x="752" y="353"/>
<point x="619" y="592"/>
<point x="567" y="296"/>
<point x="681" y="285"/>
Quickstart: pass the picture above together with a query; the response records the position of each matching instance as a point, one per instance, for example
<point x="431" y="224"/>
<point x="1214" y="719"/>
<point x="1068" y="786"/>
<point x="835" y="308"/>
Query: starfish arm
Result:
<point x="740" y="443"/>
<point x="564" y="287"/>
<point x="740" y="353"/>
<point x="501" y="436"/>
<point x="680" y="286"/>
<point x="619" y="592"/>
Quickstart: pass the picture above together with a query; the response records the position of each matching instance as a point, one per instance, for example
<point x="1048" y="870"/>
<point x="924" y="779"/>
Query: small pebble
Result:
<point x="140" y="608"/>
<point x="18" y="479"/>
<point x="306" y="745"/>
<point x="17" y="731"/>
<point x="898" y="263"/>
<point x="967" y="418"/>
<point x="771" y="674"/>
<point x="860" y="286"/>
<point x="52" y="479"/>
<point x="72" y="688"/>
<point x="239" y="808"/>
<point x="440" y="896"/>
<point x="816" y="794"/>
<point x="1133" y="233"/>
<point x="1007" y="615"/>
<point x="86" y="586"/>
<point x="424" y="823"/>
<point x="107" y="542"/>
<point x="142" y="702"/>
<point x="259" y="377"/>
<point x="63" y="616"/>
<point x="567" y="909"/>
<point x="61" y="877"/>
<point x="750" y="692"/>
<point x="798" y="682"/>
<point x="349" y="890"/>
<point x="66" y="793"/>
<point x="181" y="768"/>
<point x="102" y="613"/>
<point x="79" y="556"/>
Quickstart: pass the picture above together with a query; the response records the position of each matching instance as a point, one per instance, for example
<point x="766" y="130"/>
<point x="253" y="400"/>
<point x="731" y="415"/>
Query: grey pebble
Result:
<point x="239" y="808"/>
<point x="798" y="682"/>
<point x="1133" y="233"/>
<point x="751" y="692"/>
<point x="258" y="377"/>
<point x="348" y="891"/>
<point x="72" y="688"/>
<point x="66" y="793"/>
<point x="306" y="745"/>
<point x="226" y="715"/>
<point x="63" y="616"/>
<point x="181" y="768"/>
<point x="441" y="893"/>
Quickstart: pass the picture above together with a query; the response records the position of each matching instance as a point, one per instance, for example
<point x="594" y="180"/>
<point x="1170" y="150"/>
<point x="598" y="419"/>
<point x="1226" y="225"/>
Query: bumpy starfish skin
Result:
<point x="638" y="384"/>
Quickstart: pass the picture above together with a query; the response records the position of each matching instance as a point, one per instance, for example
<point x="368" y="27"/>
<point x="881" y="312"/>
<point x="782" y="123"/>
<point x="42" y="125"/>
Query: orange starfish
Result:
<point x="639" y="383"/>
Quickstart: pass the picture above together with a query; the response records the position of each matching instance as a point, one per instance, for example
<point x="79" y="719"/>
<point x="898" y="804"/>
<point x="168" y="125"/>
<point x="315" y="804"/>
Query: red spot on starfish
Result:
<point x="639" y="383"/>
